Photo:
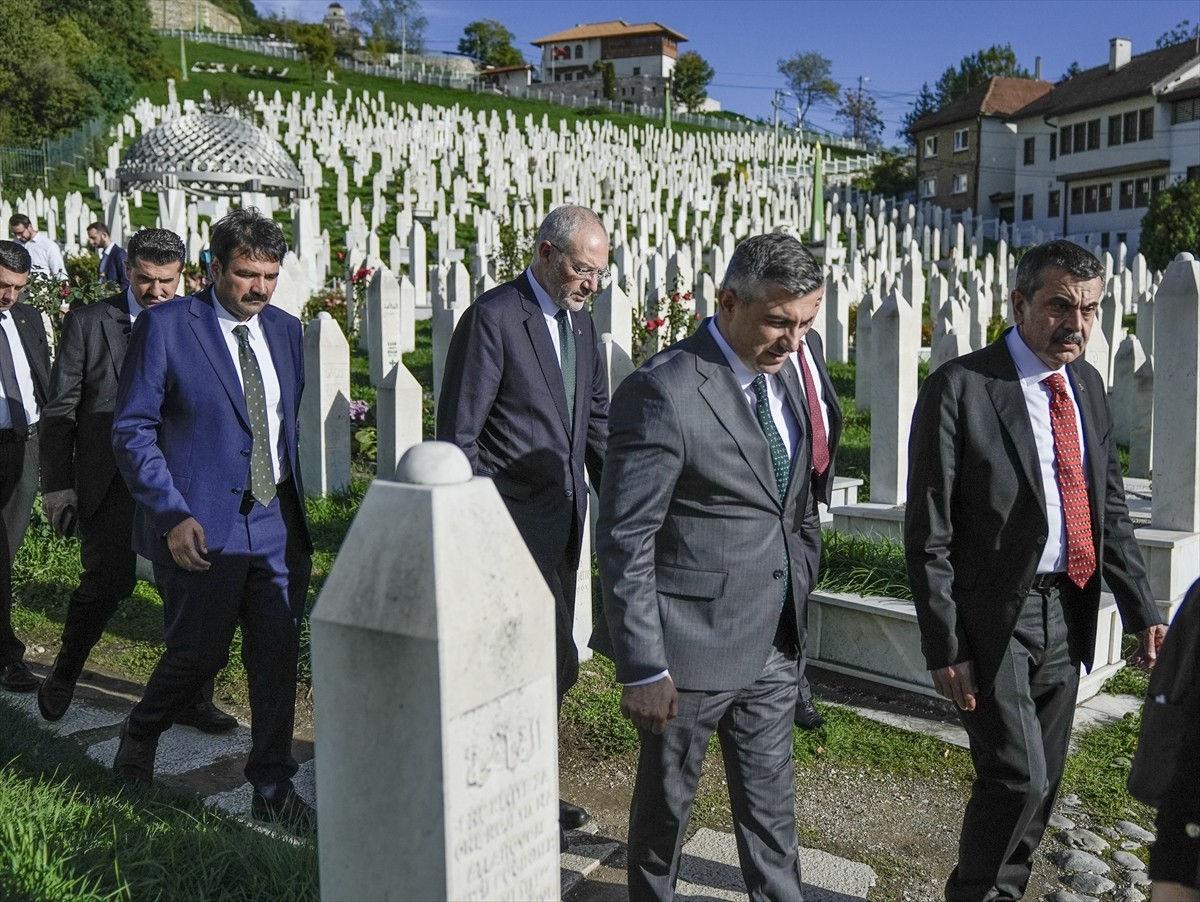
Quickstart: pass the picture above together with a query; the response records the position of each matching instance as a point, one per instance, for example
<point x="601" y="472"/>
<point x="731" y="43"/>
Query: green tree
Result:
<point x="490" y="43"/>
<point x="925" y="104"/>
<point x="1184" y="31"/>
<point x="895" y="175"/>
<point x="316" y="43"/>
<point x="608" y="78"/>
<point x="399" y="23"/>
<point x="1172" y="224"/>
<point x="1072" y="70"/>
<point x="809" y="77"/>
<point x="975" y="69"/>
<point x="860" y="114"/>
<point x="690" y="80"/>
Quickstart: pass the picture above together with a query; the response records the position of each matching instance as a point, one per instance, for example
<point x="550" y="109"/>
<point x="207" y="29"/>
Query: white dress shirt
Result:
<point x="24" y="375"/>
<point x="46" y="256"/>
<point x="1031" y="371"/>
<point x="781" y="410"/>
<point x="816" y="375"/>
<point x="550" y="311"/>
<point x="258" y="341"/>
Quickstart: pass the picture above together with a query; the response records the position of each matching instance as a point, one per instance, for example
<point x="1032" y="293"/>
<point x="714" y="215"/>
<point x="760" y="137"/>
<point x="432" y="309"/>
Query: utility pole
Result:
<point x="777" y="103"/>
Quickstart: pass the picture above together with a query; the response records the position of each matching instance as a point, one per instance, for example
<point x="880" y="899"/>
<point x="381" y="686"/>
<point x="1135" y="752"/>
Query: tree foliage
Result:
<point x="64" y="63"/>
<point x="895" y="175"/>
<point x="809" y="78"/>
<point x="925" y="104"/>
<point x="690" y="80"/>
<point x="1172" y="224"/>
<point x="1072" y="70"/>
<point x="1184" y="31"/>
<point x="490" y="43"/>
<point x="399" y="24"/>
<point x="973" y="69"/>
<point x="860" y="114"/>
<point x="316" y="43"/>
<point x="608" y="78"/>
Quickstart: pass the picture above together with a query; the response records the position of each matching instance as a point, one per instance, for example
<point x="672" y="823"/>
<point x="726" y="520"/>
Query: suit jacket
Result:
<point x="975" y="523"/>
<point x="113" y="266"/>
<point x="503" y="402"/>
<point x="692" y="535"/>
<point x="181" y="434"/>
<point x="823" y="484"/>
<point x="32" y="330"/>
<point x="77" y="421"/>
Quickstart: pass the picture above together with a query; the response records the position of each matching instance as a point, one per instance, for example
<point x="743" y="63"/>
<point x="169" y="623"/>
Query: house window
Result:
<point x="931" y="146"/>
<point x="558" y="76"/>
<point x="961" y="140"/>
<point x="928" y="187"/>
<point x="1054" y="145"/>
<point x="1079" y="137"/>
<point x="1185" y="111"/>
<point x="1125" y="195"/>
<point x="960" y="184"/>
<point x="1030" y="152"/>
<point x="1141" y="192"/>
<point x="1093" y="134"/>
<point x="1146" y="124"/>
<point x="578" y="51"/>
<point x="1091" y="198"/>
<point x="1193" y="173"/>
<point x="1131" y="121"/>
<point x="1122" y="237"/>
<point x="1158" y="184"/>
<point x="1076" y="201"/>
<point x="637" y="70"/>
<point x="1064" y="144"/>
<point x="1114" y="131"/>
<point x="1053" y="203"/>
<point x="1104" y="241"/>
<point x="1106" y="197"/>
<point x="1027" y="206"/>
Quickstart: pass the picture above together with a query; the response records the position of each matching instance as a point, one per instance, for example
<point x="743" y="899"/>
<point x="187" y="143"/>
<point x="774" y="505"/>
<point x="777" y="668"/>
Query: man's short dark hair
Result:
<point x="99" y="227"/>
<point x="18" y="219"/>
<point x="14" y="257"/>
<point x="1077" y="262"/>
<point x="772" y="259"/>
<point x="247" y="231"/>
<point x="160" y="247"/>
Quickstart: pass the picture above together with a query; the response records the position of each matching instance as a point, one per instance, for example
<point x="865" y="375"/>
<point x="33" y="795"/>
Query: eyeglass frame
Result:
<point x="586" y="272"/>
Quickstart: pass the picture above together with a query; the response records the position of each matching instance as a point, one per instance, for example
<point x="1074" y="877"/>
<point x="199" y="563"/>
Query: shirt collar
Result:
<point x="228" y="321"/>
<point x="740" y="370"/>
<point x="549" y="308"/>
<point x="1030" y="368"/>
<point x="132" y="307"/>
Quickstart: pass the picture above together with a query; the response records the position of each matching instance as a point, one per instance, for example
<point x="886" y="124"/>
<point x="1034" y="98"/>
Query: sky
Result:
<point x="894" y="45"/>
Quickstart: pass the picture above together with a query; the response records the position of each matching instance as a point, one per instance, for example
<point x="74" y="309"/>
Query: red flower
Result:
<point x="651" y="325"/>
<point x="697" y="317"/>
<point x="687" y="295"/>
<point x="363" y="273"/>
<point x="64" y="290"/>
<point x="341" y="255"/>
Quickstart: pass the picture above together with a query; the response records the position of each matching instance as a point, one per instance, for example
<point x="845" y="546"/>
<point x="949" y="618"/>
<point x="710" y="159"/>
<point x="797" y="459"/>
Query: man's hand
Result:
<point x="186" y="541"/>
<point x="55" y="506"/>
<point x="957" y="683"/>
<point x="650" y="705"/>
<point x="1149" y="642"/>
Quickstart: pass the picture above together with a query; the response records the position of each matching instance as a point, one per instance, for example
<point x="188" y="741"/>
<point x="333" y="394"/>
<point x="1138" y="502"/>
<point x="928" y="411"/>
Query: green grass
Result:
<point x="1099" y="768"/>
<point x="854" y="450"/>
<point x="72" y="831"/>
<point x="867" y="566"/>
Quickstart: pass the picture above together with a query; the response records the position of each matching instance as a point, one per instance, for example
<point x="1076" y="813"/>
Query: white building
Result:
<point x="649" y="49"/>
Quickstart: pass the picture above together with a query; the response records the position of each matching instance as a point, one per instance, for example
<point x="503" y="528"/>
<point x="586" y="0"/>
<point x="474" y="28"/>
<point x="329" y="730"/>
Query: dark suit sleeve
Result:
<point x="470" y="381"/>
<point x="137" y="418"/>
<point x="644" y="461"/>
<point x="934" y="458"/>
<point x="597" y="438"/>
<point x="59" y="417"/>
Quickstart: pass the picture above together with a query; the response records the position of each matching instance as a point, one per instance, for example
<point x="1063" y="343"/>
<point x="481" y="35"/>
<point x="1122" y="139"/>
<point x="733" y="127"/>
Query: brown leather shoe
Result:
<point x="57" y="690"/>
<point x="17" y="677"/>
<point x="134" y="762"/>
<point x="206" y="717"/>
<point x="282" y="805"/>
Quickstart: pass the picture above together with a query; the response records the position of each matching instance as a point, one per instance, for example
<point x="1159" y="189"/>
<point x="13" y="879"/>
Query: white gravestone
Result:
<point x="398" y="418"/>
<point x="895" y="340"/>
<point x="325" y="408"/>
<point x="383" y="319"/>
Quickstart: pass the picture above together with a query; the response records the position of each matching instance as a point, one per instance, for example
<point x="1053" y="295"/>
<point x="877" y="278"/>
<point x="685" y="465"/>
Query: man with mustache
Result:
<point x="205" y="434"/>
<point x="525" y="395"/>
<point x="79" y="474"/>
<point x="1015" y="512"/>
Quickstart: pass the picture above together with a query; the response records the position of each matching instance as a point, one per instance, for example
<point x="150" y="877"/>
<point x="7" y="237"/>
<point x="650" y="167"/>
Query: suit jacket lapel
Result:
<point x="32" y="330"/>
<point x="543" y="350"/>
<point x="212" y="343"/>
<point x="1009" y="400"/>
<point x="721" y="391"/>
<point x="282" y="354"/>
<point x="1093" y="451"/>
<point x="115" y="327"/>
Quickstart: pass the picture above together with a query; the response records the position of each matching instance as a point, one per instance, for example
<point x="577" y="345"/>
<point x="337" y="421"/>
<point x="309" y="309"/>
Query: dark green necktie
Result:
<point x="779" y="456"/>
<point x="566" y="349"/>
<point x="262" y="474"/>
<point x="12" y="388"/>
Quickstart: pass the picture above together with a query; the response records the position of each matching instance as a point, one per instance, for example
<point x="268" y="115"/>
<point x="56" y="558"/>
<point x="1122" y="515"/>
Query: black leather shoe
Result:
<point x="17" y="677"/>
<point x="134" y="762"/>
<point x="206" y="717"/>
<point x="286" y="809"/>
<point x="807" y="716"/>
<point x="571" y="817"/>
<point x="57" y="690"/>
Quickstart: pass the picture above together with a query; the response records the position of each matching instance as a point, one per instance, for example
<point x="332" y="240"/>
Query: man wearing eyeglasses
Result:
<point x="525" y="395"/>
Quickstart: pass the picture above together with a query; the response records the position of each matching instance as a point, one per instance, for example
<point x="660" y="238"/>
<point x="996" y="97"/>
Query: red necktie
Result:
<point x="1068" y="469"/>
<point x="820" y="441"/>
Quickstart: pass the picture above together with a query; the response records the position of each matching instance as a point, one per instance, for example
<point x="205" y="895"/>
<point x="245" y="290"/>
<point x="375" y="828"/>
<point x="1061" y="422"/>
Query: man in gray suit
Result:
<point x="1015" y="512"/>
<point x="709" y="542"/>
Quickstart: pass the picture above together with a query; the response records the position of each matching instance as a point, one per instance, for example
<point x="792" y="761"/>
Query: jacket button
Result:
<point x="1192" y="830"/>
<point x="778" y="574"/>
<point x="245" y="453"/>
<point x="567" y="493"/>
<point x="1041" y="540"/>
<point x="236" y="491"/>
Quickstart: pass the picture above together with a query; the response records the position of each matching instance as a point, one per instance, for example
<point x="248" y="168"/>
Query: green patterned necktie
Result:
<point x="566" y="348"/>
<point x="262" y="474"/>
<point x="779" y="456"/>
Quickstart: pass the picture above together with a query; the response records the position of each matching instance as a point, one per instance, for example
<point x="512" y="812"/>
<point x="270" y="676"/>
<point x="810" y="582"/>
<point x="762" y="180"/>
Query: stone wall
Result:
<point x="192" y="14"/>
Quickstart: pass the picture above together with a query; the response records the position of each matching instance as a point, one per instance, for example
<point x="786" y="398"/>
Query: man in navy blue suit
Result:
<point x="114" y="261"/>
<point x="205" y="434"/>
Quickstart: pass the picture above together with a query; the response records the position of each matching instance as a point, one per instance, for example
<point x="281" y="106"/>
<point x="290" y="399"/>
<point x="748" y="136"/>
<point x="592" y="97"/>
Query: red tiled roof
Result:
<point x="614" y="29"/>
<point x="998" y="97"/>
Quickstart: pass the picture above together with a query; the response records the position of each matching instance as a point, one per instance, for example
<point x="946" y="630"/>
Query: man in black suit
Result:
<point x="1016" y="510"/>
<point x="814" y="379"/>
<point x="525" y="395"/>
<point x="114" y="261"/>
<point x="79" y="474"/>
<point x="24" y="377"/>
